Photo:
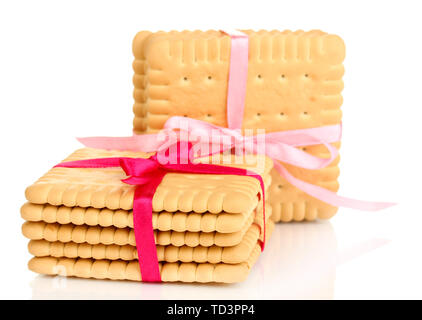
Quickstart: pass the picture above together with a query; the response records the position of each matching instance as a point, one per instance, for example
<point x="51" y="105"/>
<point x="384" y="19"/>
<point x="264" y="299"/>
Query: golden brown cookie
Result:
<point x="214" y="254"/>
<point x="103" y="188"/>
<point x="294" y="82"/>
<point x="163" y="221"/>
<point x="52" y="232"/>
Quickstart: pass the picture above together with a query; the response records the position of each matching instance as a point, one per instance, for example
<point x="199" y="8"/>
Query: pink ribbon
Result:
<point x="238" y="75"/>
<point x="146" y="175"/>
<point x="280" y="146"/>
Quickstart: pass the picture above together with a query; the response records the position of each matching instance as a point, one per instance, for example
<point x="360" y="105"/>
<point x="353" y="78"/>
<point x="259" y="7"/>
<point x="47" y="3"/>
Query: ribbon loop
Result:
<point x="300" y="158"/>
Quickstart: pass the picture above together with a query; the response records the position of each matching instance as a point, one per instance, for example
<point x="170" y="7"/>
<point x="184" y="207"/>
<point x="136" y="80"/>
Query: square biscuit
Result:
<point x="294" y="82"/>
<point x="103" y="188"/>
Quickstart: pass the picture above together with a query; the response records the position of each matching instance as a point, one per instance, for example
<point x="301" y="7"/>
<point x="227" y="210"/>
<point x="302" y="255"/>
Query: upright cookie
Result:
<point x="294" y="82"/>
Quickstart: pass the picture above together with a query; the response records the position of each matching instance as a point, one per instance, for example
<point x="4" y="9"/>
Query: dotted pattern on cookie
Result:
<point x="294" y="82"/>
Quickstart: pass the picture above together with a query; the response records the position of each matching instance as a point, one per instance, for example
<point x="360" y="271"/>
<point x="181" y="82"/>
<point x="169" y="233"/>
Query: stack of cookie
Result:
<point x="207" y="228"/>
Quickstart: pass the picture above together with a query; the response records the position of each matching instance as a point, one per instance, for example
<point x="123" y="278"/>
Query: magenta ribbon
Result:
<point x="146" y="175"/>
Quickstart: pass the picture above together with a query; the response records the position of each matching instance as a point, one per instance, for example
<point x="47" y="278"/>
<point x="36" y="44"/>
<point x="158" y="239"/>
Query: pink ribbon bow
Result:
<point x="280" y="146"/>
<point x="146" y="175"/>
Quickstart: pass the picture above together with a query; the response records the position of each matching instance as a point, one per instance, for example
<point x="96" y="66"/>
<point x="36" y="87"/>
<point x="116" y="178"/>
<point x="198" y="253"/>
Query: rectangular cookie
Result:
<point x="294" y="82"/>
<point x="40" y="230"/>
<point x="102" y="188"/>
<point x="199" y="254"/>
<point x="129" y="270"/>
<point x="163" y="221"/>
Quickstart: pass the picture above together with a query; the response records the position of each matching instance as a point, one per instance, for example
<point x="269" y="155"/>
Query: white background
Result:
<point x="65" y="71"/>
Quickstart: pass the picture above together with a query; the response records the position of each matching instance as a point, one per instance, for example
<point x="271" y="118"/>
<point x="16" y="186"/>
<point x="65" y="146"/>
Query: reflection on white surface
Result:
<point x="298" y="262"/>
<point x="305" y="255"/>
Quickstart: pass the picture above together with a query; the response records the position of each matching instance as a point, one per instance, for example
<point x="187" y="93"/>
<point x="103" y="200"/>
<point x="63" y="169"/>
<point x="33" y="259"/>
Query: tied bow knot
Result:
<point x="278" y="145"/>
<point x="140" y="171"/>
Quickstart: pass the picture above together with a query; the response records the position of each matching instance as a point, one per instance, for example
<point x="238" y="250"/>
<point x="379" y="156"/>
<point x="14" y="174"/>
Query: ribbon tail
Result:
<point x="144" y="232"/>
<point x="92" y="163"/>
<point x="143" y="143"/>
<point x="328" y="196"/>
